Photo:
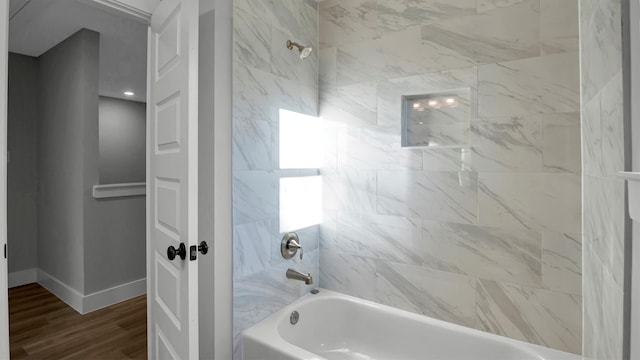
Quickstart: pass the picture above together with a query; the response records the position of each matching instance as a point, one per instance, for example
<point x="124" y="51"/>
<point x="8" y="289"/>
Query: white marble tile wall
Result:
<point x="603" y="149"/>
<point x="487" y="235"/>
<point x="268" y="77"/>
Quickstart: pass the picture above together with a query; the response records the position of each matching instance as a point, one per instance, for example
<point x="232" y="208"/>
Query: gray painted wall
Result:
<point x="114" y="229"/>
<point x="22" y="167"/>
<point x="114" y="242"/>
<point x="88" y="244"/>
<point x="122" y="141"/>
<point x="68" y="106"/>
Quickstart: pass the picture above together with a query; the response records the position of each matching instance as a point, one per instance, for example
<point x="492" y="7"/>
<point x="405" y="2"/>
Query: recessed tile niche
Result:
<point x="437" y="119"/>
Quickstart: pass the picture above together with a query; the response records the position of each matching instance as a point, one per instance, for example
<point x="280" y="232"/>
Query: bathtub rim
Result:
<point x="263" y="332"/>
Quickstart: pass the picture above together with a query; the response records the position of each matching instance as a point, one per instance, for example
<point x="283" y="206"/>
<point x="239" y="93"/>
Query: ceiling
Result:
<point x="36" y="26"/>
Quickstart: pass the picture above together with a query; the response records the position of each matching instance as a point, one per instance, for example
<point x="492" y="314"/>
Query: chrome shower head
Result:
<point x="305" y="51"/>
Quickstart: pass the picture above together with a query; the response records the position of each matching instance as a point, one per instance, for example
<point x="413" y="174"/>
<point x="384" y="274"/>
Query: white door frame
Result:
<point x="221" y="244"/>
<point x="4" y="90"/>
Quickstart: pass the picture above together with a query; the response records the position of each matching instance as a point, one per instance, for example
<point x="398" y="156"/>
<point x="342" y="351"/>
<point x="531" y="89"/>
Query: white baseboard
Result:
<point x="114" y="295"/>
<point x="88" y="303"/>
<point x="23" y="277"/>
<point x="61" y="290"/>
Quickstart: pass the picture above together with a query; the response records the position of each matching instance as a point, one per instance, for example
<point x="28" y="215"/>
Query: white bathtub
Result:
<point x="336" y="326"/>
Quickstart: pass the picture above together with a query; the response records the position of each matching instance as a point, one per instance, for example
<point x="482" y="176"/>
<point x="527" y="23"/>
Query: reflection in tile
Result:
<point x="504" y="33"/>
<point x="348" y="274"/>
<point x="353" y="104"/>
<point x="507" y="144"/>
<point x="592" y="292"/>
<point x="251" y="41"/>
<point x="260" y="95"/>
<point x="329" y="231"/>
<point x="604" y="222"/>
<point x="347" y="21"/>
<point x="600" y="44"/>
<point x="376" y="148"/>
<point x="559" y="26"/>
<point x="446" y="159"/>
<point x="390" y="56"/>
<point x="537" y="85"/>
<point x="437" y="57"/>
<point x="485" y="252"/>
<point x="562" y="262"/>
<point x="260" y="295"/>
<point x="561" y="142"/>
<point x="436" y="294"/>
<point x="309" y="22"/>
<point x="251" y="244"/>
<point x="591" y="125"/>
<point x="252" y="145"/>
<point x="612" y="330"/>
<point x="487" y="5"/>
<point x="349" y="190"/>
<point x="388" y="238"/>
<point x="445" y="196"/>
<point x="396" y="15"/>
<point x="328" y="58"/>
<point x="278" y="13"/>
<point x="539" y="316"/>
<point x="603" y="308"/>
<point x="536" y="201"/>
<point x="613" y="138"/>
<point x="255" y="196"/>
<point x="437" y="132"/>
<point x="252" y="89"/>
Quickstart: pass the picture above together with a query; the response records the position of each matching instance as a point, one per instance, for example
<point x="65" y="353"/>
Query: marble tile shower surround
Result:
<point x="603" y="193"/>
<point x="487" y="235"/>
<point x="267" y="77"/>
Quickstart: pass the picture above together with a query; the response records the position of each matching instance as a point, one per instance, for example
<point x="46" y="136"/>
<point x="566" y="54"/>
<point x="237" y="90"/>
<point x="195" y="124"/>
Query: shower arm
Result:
<point x="291" y="44"/>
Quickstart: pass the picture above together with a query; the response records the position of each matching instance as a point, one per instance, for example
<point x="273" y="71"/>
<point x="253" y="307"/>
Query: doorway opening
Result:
<point x="76" y="170"/>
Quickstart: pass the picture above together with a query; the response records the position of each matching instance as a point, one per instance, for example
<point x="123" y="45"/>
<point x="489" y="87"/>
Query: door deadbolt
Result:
<point x="203" y="248"/>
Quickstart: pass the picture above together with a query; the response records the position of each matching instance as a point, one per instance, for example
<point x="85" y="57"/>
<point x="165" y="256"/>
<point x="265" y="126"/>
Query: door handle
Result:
<point x="193" y="250"/>
<point x="203" y="248"/>
<point x="181" y="251"/>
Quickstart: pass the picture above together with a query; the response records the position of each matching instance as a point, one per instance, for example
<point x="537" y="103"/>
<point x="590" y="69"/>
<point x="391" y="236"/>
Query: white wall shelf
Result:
<point x="119" y="190"/>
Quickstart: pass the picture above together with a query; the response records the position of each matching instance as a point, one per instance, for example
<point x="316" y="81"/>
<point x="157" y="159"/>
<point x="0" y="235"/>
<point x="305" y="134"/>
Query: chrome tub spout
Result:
<point x="297" y="275"/>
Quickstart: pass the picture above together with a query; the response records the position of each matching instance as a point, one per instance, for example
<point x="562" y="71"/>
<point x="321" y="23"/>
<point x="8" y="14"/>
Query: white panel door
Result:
<point x="172" y="194"/>
<point x="4" y="58"/>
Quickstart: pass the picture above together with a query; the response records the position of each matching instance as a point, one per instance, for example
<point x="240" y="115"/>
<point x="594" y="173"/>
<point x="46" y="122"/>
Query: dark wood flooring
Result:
<point x="44" y="327"/>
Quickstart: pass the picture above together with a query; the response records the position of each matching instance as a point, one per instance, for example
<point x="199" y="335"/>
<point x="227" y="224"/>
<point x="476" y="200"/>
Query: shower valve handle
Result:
<point x="290" y="245"/>
<point x="294" y="245"/>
